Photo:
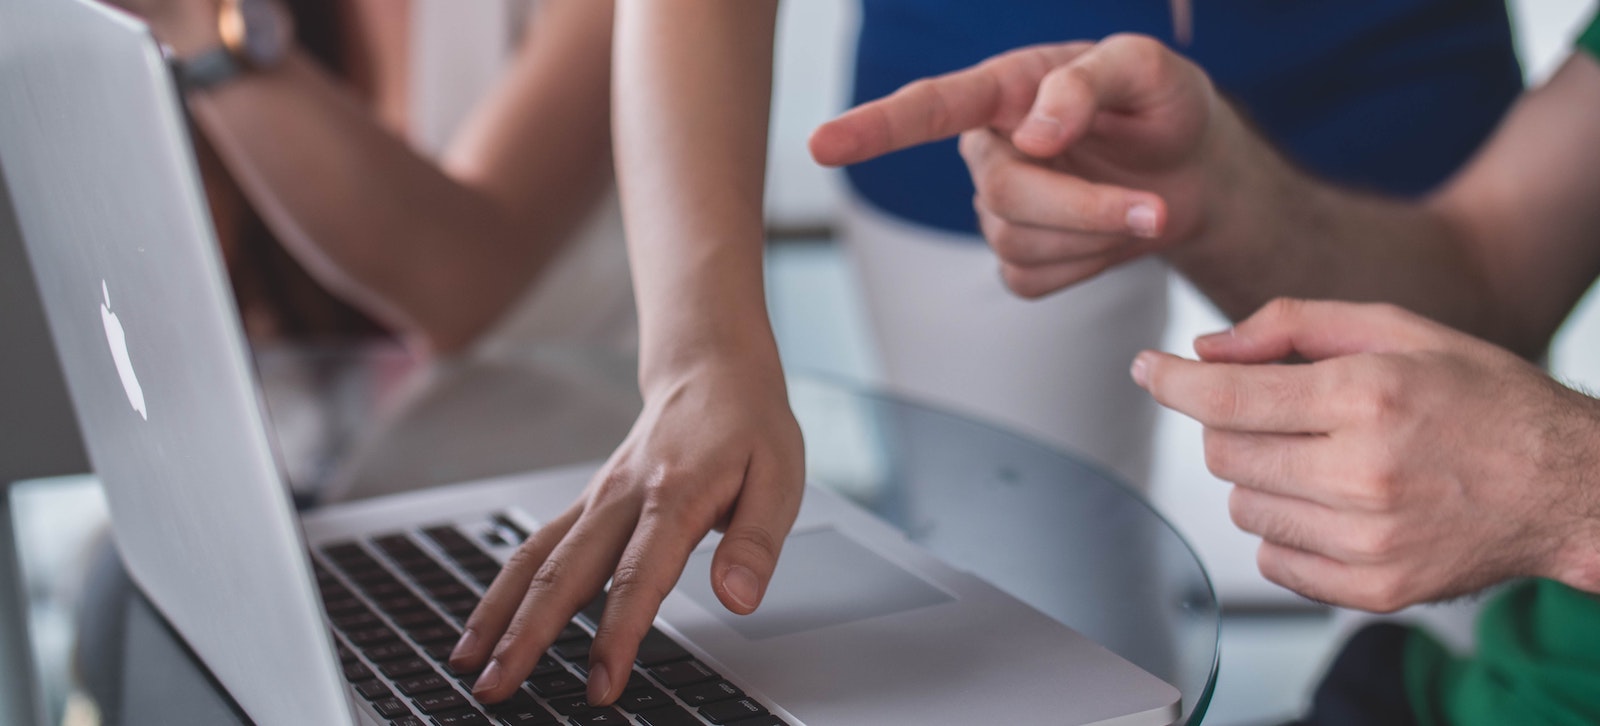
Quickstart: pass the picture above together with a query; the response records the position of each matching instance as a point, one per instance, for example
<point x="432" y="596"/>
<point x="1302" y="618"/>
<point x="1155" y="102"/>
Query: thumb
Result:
<point x="1315" y="330"/>
<point x="1123" y="73"/>
<point x="748" y="554"/>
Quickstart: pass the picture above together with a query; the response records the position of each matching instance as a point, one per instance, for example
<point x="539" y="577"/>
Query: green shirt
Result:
<point x="1590" y="40"/>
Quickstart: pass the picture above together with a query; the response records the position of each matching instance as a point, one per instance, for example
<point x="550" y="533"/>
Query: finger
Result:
<point x="1021" y="191"/>
<point x="505" y="594"/>
<point x="1325" y="580"/>
<point x="1024" y="246"/>
<point x="1288" y="465"/>
<point x="744" y="561"/>
<point x="1317" y="330"/>
<point x="1285" y="399"/>
<point x="1121" y="73"/>
<point x="576" y="570"/>
<point x="1035" y="282"/>
<point x="1312" y="527"/>
<point x="649" y="569"/>
<point x="995" y="93"/>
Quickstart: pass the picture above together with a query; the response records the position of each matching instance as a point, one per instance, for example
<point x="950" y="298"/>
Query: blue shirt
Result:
<point x="1390" y="95"/>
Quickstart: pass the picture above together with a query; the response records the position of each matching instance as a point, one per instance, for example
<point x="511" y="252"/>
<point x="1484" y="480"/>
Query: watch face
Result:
<point x="266" y="39"/>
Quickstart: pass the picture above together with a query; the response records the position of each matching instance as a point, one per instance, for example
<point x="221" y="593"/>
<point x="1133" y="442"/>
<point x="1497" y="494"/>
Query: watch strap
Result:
<point x="209" y="70"/>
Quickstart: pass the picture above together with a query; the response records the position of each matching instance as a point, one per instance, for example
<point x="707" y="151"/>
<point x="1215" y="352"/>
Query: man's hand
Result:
<point x="1406" y="463"/>
<point x="1084" y="155"/>
<point x="187" y="26"/>
<point x="717" y="448"/>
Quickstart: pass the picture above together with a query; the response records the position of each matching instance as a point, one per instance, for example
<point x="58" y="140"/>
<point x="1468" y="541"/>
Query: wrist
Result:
<point x="743" y="352"/>
<point x="1575" y="556"/>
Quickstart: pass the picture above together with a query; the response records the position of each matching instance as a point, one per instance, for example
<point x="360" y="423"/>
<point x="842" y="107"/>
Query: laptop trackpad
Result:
<point x="824" y="579"/>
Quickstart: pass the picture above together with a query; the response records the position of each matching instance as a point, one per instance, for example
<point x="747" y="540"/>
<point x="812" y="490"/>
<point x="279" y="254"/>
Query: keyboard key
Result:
<point x="440" y="651"/>
<point x="683" y="673"/>
<point x="668" y="716"/>
<point x="343" y="606"/>
<point x="701" y="694"/>
<point x="768" y="720"/>
<point x="658" y="648"/>
<point x="730" y="711"/>
<point x="440" y="701"/>
<point x="373" y="690"/>
<point x="452" y="590"/>
<point x="599" y="717"/>
<point x="405" y="667"/>
<point x="464" y="717"/>
<point x="436" y="634"/>
<point x="552" y="685"/>
<point x="546" y="665"/>
<point x="396" y="544"/>
<point x="367" y="636"/>
<point x="591" y="612"/>
<point x="341" y="552"/>
<point x="506" y="522"/>
<point x="576" y="651"/>
<point x="400" y="604"/>
<point x="451" y="540"/>
<point x="346" y="655"/>
<point x="354" y="672"/>
<point x="391" y="708"/>
<point x="520" y="710"/>
<point x="460" y="608"/>
<point x="422" y="684"/>
<point x="385" y="590"/>
<point x="375" y="576"/>
<point x="643" y="699"/>
<point x="477" y="561"/>
<point x="356" y="620"/>
<point x="568" y="705"/>
<point x="572" y="632"/>
<point x="484" y="577"/>
<point x="418" y="619"/>
<point x="391" y="650"/>
<point x="407" y="721"/>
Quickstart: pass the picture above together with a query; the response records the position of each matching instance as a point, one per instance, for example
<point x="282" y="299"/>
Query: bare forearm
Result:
<point x="436" y="252"/>
<point x="693" y="86"/>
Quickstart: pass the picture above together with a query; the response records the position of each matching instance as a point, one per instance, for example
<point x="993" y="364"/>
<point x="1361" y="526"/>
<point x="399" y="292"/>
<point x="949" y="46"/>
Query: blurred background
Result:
<point x="1274" y="644"/>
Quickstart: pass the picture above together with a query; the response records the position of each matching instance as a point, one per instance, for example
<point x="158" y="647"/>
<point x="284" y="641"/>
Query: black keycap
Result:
<point x="658" y="648"/>
<point x="461" y="607"/>
<point x="436" y="634"/>
<point x="591" y="612"/>
<point x="546" y="665"/>
<point x="422" y="684"/>
<point x="345" y="654"/>
<point x="451" y="540"/>
<point x="396" y="544"/>
<point x="373" y="690"/>
<point x="341" y="552"/>
<point x="433" y="574"/>
<point x="484" y="576"/>
<point x="440" y="701"/>
<point x="374" y="576"/>
<point x="354" y="672"/>
<point x="636" y="681"/>
<point x="385" y="590"/>
<point x="400" y="604"/>
<point x="440" y="651"/>
<point x="768" y="720"/>
<point x="520" y="710"/>
<point x="668" y="716"/>
<point x="407" y="721"/>
<point x="452" y="590"/>
<point x="506" y="522"/>
<point x="405" y="667"/>
<point x="643" y="699"/>
<point x="683" y="673"/>
<point x="701" y="694"/>
<point x="391" y="708"/>
<point x="560" y="683"/>
<point x="464" y="717"/>
<point x="356" y="620"/>
<point x="730" y="711"/>
<point x="418" y="619"/>
<point x="572" y="632"/>
<point x="389" y="651"/>
<point x="568" y="705"/>
<point x="343" y="606"/>
<point x="599" y="717"/>
<point x="367" y="636"/>
<point x="576" y="651"/>
<point x="477" y="562"/>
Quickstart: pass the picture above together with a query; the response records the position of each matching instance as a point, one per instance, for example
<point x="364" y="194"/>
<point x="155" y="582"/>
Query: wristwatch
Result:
<point x="256" y="36"/>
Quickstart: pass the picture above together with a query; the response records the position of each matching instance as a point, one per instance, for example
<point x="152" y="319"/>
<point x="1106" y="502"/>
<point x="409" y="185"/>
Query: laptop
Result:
<point x="345" y="615"/>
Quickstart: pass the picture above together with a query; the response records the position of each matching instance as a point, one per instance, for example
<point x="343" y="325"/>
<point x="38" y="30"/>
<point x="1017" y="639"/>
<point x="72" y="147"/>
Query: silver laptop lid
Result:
<point x="107" y="197"/>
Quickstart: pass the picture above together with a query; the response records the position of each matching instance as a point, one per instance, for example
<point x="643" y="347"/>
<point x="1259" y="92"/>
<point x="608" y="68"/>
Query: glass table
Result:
<point x="1057" y="533"/>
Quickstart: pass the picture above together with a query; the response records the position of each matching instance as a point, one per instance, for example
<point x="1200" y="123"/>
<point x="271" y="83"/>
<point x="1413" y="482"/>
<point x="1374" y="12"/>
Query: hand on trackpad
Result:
<point x="824" y="578"/>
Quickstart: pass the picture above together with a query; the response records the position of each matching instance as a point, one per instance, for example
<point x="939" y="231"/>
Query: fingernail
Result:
<point x="1042" y="128"/>
<point x="1217" y="337"/>
<point x="741" y="585"/>
<point x="489" y="679"/>
<point x="1142" y="220"/>
<point x="1141" y="370"/>
<point x="464" y="647"/>
<point x="599" y="684"/>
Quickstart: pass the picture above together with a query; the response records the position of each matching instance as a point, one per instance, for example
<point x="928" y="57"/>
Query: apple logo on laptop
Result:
<point x="119" y="353"/>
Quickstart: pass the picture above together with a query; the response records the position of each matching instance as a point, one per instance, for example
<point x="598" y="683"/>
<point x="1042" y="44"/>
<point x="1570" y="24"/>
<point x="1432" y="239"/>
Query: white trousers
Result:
<point x="948" y="332"/>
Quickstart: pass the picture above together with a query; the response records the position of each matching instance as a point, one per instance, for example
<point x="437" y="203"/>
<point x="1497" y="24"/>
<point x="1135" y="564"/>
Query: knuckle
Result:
<point x="752" y="544"/>
<point x="1282" y="310"/>
<point x="1384" y="594"/>
<point x="1373" y="543"/>
<point x="1221" y="455"/>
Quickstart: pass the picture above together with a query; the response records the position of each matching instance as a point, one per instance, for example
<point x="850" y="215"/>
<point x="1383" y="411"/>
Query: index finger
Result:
<point x="1282" y="399"/>
<point x="996" y="93"/>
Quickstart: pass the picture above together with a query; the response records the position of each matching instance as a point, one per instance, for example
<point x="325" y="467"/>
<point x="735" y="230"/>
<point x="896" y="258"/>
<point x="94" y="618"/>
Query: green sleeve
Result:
<point x="1537" y="662"/>
<point x="1590" y="40"/>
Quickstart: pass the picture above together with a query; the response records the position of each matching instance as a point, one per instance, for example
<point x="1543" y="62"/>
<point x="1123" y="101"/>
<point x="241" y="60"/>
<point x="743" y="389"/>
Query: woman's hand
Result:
<point x="715" y="447"/>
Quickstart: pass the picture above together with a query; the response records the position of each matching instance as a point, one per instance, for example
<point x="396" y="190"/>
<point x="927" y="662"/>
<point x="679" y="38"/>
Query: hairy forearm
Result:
<point x="693" y="87"/>
<point x="435" y="252"/>
<point x="1275" y="231"/>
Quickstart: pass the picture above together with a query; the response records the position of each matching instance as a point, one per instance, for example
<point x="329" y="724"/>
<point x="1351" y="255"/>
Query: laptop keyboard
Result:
<point x="397" y="602"/>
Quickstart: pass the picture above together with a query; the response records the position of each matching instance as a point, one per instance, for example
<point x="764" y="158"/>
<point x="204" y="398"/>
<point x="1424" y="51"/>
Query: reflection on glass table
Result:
<point x="354" y="423"/>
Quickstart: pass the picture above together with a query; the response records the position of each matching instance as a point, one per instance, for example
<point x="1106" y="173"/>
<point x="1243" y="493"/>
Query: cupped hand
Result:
<point x="716" y="447"/>
<point x="1084" y="155"/>
<point x="1406" y="463"/>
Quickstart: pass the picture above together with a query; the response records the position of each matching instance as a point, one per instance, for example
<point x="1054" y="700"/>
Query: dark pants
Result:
<point x="1366" y="685"/>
